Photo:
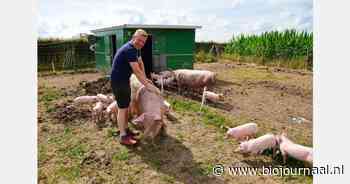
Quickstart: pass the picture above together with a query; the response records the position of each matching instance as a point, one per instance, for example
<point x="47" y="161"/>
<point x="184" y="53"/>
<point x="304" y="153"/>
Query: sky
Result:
<point x="220" y="19"/>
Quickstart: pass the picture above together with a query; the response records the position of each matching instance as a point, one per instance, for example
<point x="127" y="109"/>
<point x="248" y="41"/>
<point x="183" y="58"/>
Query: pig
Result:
<point x="194" y="79"/>
<point x="242" y="132"/>
<point x="211" y="96"/>
<point x="112" y="111"/>
<point x="135" y="85"/>
<point x="85" y="99"/>
<point x="258" y="145"/>
<point x="151" y="110"/>
<point x="167" y="74"/>
<point x="104" y="98"/>
<point x="165" y="78"/>
<point x="289" y="148"/>
<point x="97" y="112"/>
<point x="166" y="106"/>
<point x="155" y="76"/>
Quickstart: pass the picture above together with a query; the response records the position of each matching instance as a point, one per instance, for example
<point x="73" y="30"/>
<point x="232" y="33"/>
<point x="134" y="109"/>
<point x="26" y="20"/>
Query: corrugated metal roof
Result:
<point x="147" y="26"/>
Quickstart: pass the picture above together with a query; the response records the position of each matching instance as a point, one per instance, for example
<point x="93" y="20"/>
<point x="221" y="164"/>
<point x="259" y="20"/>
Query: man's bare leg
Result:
<point x="123" y="122"/>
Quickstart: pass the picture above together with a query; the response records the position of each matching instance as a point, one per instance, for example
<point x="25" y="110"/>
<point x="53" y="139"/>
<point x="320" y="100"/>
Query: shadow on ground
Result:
<point x="173" y="158"/>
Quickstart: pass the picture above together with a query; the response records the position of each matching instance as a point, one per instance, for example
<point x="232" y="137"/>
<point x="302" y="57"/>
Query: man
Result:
<point x="126" y="62"/>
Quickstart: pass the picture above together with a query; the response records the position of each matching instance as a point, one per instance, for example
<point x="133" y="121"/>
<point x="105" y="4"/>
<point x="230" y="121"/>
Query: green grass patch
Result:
<point x="47" y="95"/>
<point x="168" y="179"/>
<point x="203" y="57"/>
<point x="122" y="154"/>
<point x="42" y="156"/>
<point x="297" y="63"/>
<point x="76" y="152"/>
<point x="208" y="115"/>
<point x="69" y="173"/>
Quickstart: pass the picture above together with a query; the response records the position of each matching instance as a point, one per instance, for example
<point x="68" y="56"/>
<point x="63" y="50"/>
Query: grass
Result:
<point x="47" y="95"/>
<point x="298" y="63"/>
<point x="252" y="74"/>
<point x="63" y="147"/>
<point x="62" y="72"/>
<point x="208" y="115"/>
<point x="203" y="57"/>
<point x="69" y="173"/>
<point x="122" y="154"/>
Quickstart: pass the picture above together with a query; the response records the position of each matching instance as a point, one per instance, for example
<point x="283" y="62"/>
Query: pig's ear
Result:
<point x="140" y="119"/>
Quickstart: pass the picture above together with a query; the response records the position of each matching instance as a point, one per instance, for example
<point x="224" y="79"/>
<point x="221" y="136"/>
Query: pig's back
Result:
<point x="149" y="102"/>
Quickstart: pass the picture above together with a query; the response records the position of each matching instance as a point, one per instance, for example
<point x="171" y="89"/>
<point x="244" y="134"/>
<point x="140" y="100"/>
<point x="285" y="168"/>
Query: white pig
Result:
<point x="85" y="99"/>
<point x="194" y="78"/>
<point x="243" y="132"/>
<point x="297" y="151"/>
<point x="104" y="98"/>
<point x="151" y="111"/>
<point x="97" y="112"/>
<point x="112" y="111"/>
<point x="258" y="145"/>
<point x="211" y="96"/>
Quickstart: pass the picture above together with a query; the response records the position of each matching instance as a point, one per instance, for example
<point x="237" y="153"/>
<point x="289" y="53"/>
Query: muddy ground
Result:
<point x="72" y="149"/>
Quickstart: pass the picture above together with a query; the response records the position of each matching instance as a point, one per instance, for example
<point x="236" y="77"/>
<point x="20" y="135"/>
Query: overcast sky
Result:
<point x="220" y="19"/>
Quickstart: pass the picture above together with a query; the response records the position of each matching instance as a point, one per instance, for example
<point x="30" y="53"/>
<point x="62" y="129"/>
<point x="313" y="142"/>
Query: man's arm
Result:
<point x="142" y="66"/>
<point x="140" y="75"/>
<point x="142" y="78"/>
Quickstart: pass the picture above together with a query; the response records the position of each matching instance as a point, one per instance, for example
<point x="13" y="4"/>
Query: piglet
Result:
<point x="243" y="131"/>
<point x="97" y="112"/>
<point x="213" y="97"/>
<point x="85" y="99"/>
<point x="112" y="111"/>
<point x="299" y="152"/>
<point x="258" y="145"/>
<point x="104" y="98"/>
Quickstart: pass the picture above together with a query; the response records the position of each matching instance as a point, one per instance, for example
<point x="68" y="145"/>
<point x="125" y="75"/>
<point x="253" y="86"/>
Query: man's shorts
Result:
<point x="122" y="93"/>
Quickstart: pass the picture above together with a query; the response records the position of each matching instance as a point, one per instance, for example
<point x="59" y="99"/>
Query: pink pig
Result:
<point x="258" y="145"/>
<point x="243" y="131"/>
<point x="104" y="98"/>
<point x="211" y="96"/>
<point x="194" y="79"/>
<point x="85" y="99"/>
<point x="151" y="109"/>
<point x="97" y="112"/>
<point x="112" y="111"/>
<point x="289" y="148"/>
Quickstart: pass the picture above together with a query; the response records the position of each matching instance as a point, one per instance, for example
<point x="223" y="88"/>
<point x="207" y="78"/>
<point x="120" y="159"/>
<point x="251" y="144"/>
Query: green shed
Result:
<point x="168" y="47"/>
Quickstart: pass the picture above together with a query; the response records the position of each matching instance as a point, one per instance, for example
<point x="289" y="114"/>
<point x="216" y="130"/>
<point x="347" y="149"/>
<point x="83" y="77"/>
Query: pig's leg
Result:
<point x="163" y="130"/>
<point x="94" y="117"/>
<point x="273" y="152"/>
<point x="284" y="155"/>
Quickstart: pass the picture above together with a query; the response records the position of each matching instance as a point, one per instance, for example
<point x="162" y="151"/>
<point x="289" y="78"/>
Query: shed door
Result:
<point x="113" y="47"/>
<point x="146" y="54"/>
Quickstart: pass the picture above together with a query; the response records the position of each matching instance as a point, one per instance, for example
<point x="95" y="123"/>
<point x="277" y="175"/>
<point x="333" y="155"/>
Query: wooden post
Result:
<point x="53" y="66"/>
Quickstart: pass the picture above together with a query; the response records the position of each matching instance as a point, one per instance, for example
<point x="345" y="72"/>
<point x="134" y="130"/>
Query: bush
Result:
<point x="203" y="57"/>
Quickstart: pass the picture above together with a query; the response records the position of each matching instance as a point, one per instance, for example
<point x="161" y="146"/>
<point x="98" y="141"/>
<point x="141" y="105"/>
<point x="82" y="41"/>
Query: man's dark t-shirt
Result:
<point x="121" y="69"/>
